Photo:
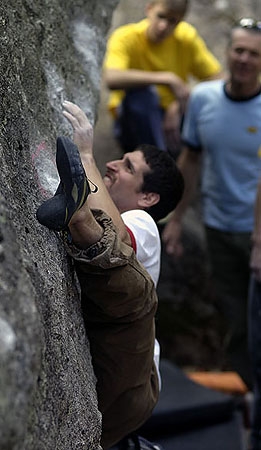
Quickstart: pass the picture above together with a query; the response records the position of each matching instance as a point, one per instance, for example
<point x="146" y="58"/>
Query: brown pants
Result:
<point x="119" y="303"/>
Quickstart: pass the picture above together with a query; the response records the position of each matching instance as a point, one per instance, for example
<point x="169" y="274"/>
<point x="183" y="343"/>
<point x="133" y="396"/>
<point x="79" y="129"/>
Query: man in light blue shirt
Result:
<point x="227" y="132"/>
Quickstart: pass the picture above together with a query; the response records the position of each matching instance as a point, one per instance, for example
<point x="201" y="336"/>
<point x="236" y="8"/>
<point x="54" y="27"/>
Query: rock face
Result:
<point x="50" y="51"/>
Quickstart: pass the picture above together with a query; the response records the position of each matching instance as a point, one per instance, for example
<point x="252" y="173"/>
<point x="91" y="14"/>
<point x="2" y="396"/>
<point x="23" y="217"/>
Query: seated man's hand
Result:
<point x="181" y="91"/>
<point x="171" y="238"/>
<point x="171" y="127"/>
<point x="82" y="129"/>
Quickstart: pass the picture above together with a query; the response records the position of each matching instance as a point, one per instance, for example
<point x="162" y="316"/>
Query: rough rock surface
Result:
<point x="50" y="51"/>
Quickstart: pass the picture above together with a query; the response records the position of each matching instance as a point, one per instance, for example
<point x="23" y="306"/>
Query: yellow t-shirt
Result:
<point x="183" y="53"/>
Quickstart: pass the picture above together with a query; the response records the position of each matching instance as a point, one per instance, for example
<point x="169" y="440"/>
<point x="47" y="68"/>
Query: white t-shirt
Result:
<point x="146" y="244"/>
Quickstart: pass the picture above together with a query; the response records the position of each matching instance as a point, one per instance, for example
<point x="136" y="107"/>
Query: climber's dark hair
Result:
<point x="164" y="178"/>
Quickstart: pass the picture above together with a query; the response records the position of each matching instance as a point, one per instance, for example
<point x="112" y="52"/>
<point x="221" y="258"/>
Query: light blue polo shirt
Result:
<point x="228" y="132"/>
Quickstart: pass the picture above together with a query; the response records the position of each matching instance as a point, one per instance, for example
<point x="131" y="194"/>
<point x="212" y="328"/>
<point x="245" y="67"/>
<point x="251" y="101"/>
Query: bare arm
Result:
<point x="189" y="164"/>
<point x="130" y="78"/>
<point x="255" y="260"/>
<point x="217" y="76"/>
<point x="172" y="125"/>
<point x="83" y="138"/>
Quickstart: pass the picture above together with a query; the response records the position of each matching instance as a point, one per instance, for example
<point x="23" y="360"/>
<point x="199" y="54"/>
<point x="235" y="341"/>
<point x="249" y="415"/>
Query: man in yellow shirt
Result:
<point x="147" y="67"/>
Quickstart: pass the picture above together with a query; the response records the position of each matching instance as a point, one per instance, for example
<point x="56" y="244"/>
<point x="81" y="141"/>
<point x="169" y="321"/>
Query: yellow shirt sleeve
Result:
<point x="119" y="49"/>
<point x="198" y="59"/>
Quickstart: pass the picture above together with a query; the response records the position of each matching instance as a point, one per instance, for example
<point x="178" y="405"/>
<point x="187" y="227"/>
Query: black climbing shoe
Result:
<point x="72" y="191"/>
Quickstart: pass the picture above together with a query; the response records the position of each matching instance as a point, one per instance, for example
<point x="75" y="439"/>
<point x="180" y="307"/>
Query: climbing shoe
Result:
<point x="72" y="191"/>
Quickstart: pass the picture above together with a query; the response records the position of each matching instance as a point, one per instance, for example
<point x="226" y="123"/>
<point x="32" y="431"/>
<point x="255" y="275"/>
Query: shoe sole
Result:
<point x="72" y="191"/>
<point x="72" y="174"/>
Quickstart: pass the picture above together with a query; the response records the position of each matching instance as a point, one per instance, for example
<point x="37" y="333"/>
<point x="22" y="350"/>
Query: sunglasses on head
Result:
<point x="250" y="24"/>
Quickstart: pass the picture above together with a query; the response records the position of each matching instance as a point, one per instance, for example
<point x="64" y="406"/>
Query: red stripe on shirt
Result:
<point x="132" y="238"/>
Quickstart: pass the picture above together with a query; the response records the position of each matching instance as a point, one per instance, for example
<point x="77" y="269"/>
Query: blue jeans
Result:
<point x="254" y="340"/>
<point x="140" y="120"/>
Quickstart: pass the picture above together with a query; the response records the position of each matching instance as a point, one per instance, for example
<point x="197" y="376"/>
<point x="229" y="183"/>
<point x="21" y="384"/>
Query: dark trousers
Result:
<point x="229" y="255"/>
<point x="140" y="120"/>
<point x="255" y="354"/>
